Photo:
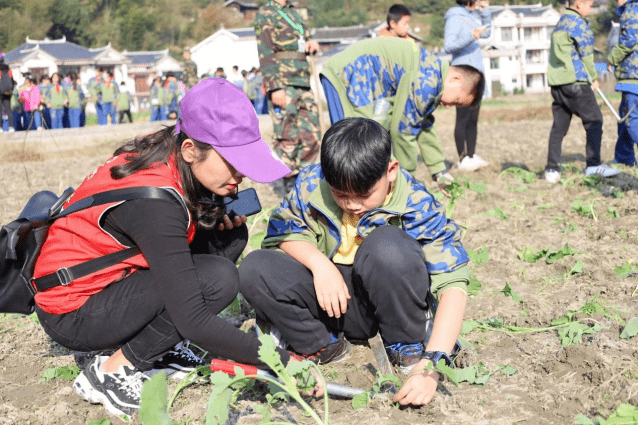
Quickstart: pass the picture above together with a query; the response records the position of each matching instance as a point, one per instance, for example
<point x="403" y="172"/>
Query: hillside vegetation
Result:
<point x="158" y="24"/>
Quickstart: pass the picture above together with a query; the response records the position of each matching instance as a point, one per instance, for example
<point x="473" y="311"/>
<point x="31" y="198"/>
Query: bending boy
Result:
<point x="624" y="57"/>
<point x="361" y="245"/>
<point x="399" y="84"/>
<point x="572" y="77"/>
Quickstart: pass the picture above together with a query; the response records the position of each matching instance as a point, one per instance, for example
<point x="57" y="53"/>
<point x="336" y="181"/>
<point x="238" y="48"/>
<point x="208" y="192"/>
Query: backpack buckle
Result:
<point x="65" y="276"/>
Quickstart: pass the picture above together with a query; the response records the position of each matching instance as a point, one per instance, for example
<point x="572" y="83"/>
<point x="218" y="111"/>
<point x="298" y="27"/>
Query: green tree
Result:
<point x="134" y="26"/>
<point x="71" y="20"/>
<point x="338" y="13"/>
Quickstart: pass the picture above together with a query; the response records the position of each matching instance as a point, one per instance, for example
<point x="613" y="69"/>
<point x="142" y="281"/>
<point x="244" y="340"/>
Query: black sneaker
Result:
<point x="405" y="355"/>
<point x="119" y="392"/>
<point x="333" y="352"/>
<point x="179" y="362"/>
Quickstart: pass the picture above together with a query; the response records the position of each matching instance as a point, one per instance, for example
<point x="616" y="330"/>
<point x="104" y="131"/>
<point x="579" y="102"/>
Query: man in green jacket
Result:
<point x="399" y="84"/>
<point x="572" y="76"/>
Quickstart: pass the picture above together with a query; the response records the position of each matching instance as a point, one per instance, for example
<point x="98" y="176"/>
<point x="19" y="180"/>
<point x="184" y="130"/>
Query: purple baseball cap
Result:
<point x="218" y="113"/>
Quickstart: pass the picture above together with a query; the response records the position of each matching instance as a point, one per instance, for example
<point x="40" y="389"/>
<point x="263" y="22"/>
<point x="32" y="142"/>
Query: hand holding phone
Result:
<point x="245" y="204"/>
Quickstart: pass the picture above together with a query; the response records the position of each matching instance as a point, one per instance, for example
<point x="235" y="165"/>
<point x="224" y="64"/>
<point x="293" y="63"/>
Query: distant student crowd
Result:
<point x="60" y="101"/>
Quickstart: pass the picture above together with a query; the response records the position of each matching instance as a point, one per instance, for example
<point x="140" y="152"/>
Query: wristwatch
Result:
<point x="436" y="356"/>
<point x="436" y="176"/>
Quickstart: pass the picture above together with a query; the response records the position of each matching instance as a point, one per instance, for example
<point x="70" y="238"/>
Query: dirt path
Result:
<point x="553" y="384"/>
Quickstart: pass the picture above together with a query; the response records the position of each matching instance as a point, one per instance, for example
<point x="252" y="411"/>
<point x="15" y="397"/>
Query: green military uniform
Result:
<point x="281" y="37"/>
<point x="189" y="75"/>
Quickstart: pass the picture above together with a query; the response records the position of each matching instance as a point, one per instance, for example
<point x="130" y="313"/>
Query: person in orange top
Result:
<point x="398" y="22"/>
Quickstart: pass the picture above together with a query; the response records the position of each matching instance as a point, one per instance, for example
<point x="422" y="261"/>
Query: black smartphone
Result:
<point x="246" y="204"/>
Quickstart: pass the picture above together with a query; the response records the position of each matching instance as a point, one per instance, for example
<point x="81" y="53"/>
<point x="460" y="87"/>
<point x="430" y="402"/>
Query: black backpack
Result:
<point x="6" y="80"/>
<point x="22" y="240"/>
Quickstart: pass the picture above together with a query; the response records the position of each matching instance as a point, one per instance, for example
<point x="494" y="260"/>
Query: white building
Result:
<point x="45" y="57"/>
<point x="516" y="55"/>
<point x="147" y="64"/>
<point x="226" y="48"/>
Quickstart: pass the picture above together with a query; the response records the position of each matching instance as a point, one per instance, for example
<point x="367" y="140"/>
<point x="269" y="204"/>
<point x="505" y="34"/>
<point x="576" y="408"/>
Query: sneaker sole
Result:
<point x="86" y="391"/>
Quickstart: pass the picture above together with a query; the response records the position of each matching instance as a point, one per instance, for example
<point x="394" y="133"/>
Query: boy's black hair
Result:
<point x="355" y="153"/>
<point x="474" y="78"/>
<point x="397" y="11"/>
<point x="466" y="3"/>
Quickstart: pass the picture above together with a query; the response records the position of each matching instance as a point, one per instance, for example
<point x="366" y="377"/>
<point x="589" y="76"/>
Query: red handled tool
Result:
<point x="228" y="367"/>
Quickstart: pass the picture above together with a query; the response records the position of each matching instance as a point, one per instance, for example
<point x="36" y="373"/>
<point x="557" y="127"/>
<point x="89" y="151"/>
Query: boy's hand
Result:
<point x="331" y="289"/>
<point x="443" y="181"/>
<point x="594" y="85"/>
<point x="420" y="387"/>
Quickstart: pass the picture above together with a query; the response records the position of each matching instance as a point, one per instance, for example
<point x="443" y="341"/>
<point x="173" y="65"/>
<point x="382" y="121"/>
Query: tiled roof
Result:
<point x="150" y="57"/>
<point x="242" y="32"/>
<point x="338" y="33"/>
<point x="60" y="49"/>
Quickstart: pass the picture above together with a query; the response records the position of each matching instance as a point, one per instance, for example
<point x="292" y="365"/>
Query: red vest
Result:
<point x="78" y="237"/>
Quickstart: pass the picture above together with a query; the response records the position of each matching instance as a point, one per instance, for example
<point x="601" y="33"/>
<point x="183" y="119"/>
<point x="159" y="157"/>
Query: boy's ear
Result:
<point x="392" y="24"/>
<point x="393" y="170"/>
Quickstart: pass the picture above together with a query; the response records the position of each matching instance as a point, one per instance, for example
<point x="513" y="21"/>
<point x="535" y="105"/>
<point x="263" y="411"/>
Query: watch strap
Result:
<point x="436" y="356"/>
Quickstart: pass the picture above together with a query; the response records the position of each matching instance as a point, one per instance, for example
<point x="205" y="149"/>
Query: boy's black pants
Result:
<point x="388" y="285"/>
<point x="576" y="99"/>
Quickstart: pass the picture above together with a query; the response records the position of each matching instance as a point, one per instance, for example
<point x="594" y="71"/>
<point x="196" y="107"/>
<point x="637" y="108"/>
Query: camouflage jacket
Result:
<point x="398" y="84"/>
<point x="310" y="213"/>
<point x="571" y="55"/>
<point x="624" y="56"/>
<point x="275" y="35"/>
<point x="189" y="76"/>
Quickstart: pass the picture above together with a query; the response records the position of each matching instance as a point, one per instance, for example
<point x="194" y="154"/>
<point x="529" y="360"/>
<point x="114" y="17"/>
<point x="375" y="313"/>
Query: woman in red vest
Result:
<point x="147" y="306"/>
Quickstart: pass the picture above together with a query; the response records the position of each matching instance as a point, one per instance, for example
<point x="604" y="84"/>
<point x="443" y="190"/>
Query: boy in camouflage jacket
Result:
<point x="572" y="77"/>
<point x="625" y="58"/>
<point x="283" y="42"/>
<point x="355" y="249"/>
<point x="400" y="84"/>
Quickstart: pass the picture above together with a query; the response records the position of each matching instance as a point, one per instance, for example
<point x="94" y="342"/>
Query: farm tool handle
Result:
<point x="228" y="367"/>
<point x="613" y="110"/>
<point x="620" y="120"/>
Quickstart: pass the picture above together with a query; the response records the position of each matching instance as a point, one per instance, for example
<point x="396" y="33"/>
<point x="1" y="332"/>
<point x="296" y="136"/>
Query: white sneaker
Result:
<point x="552" y="176"/>
<point x="466" y="164"/>
<point x="119" y="392"/>
<point x="601" y="170"/>
<point x="480" y="162"/>
<point x="470" y="164"/>
<point x="11" y="130"/>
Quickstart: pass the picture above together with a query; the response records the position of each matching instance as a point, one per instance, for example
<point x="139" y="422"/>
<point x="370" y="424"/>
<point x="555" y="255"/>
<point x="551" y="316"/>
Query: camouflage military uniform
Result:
<point x="189" y="76"/>
<point x="284" y="66"/>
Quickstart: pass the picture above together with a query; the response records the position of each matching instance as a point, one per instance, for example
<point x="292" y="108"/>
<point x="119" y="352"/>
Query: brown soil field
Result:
<point x="553" y="384"/>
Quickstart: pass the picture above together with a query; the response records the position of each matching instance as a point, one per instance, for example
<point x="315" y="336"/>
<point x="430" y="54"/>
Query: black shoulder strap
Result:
<point x="64" y="276"/>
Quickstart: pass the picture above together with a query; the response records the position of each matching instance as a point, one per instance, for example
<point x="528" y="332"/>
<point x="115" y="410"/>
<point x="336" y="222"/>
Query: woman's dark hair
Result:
<point x="74" y="80"/>
<point x="158" y="147"/>
<point x="355" y="153"/>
